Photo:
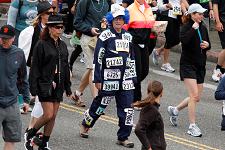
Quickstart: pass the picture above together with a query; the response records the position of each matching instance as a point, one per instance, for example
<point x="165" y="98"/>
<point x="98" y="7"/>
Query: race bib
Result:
<point x="100" y="111"/>
<point x="114" y="61"/>
<point x="88" y="119"/>
<point x="127" y="36"/>
<point x="129" y="116"/>
<point x="177" y="10"/>
<point x="106" y="35"/>
<point x="107" y="99"/>
<point x="111" y="85"/>
<point x="128" y="85"/>
<point x="122" y="45"/>
<point x="101" y="54"/>
<point x="112" y="74"/>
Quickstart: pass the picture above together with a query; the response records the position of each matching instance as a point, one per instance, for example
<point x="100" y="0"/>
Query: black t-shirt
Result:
<point x="221" y="7"/>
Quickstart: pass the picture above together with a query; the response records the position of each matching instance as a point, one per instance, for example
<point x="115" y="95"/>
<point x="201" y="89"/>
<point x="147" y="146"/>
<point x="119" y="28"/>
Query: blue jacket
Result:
<point x="220" y="91"/>
<point x="114" y="61"/>
<point x="13" y="72"/>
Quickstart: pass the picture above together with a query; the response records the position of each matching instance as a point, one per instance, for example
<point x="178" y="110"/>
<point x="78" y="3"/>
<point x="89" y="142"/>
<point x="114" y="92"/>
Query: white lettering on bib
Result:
<point x="122" y="45"/>
<point x="128" y="85"/>
<point x="106" y="35"/>
<point x="114" y="61"/>
<point x="112" y="74"/>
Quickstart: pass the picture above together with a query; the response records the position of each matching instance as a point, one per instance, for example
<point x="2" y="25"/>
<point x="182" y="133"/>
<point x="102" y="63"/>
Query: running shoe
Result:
<point x="84" y="131"/>
<point x="37" y="140"/>
<point x="173" y="117"/>
<point x="167" y="67"/>
<point x="216" y="75"/>
<point x="44" y="148"/>
<point x="126" y="143"/>
<point x="194" y="131"/>
<point x="28" y="144"/>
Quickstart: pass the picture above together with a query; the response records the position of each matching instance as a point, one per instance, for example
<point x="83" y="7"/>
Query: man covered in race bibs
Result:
<point x="114" y="76"/>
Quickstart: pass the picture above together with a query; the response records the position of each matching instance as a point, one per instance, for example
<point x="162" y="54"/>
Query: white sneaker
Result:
<point x="155" y="57"/>
<point x="194" y="131"/>
<point x="173" y="117"/>
<point x="167" y="67"/>
<point x="216" y="75"/>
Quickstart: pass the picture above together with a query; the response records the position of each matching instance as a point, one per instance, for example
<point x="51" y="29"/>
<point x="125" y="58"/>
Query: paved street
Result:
<point x="103" y="136"/>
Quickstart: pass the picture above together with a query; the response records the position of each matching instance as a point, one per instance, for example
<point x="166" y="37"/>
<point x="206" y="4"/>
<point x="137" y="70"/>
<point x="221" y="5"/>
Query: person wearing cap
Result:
<point x="49" y="78"/>
<point x="219" y="13"/>
<point x="87" y="21"/>
<point x="20" y="15"/>
<point x="13" y="70"/>
<point x="195" y="43"/>
<point x="114" y="76"/>
<point x="27" y="40"/>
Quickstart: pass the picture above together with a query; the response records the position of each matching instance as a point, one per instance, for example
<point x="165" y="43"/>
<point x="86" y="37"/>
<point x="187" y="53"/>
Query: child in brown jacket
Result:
<point x="150" y="127"/>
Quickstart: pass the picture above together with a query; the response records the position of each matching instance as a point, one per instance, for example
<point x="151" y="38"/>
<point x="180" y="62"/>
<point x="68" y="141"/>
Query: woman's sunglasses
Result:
<point x="49" y="13"/>
<point x="58" y="27"/>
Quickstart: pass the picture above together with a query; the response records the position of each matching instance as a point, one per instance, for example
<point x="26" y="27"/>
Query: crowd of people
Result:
<point x="116" y="38"/>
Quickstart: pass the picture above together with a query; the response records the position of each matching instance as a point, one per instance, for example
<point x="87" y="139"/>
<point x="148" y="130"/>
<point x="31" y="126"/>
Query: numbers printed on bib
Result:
<point x="129" y="116"/>
<point x="111" y="85"/>
<point x="88" y="119"/>
<point x="106" y="35"/>
<point x="128" y="85"/>
<point x="122" y="45"/>
<point x="107" y="99"/>
<point x="127" y="36"/>
<point x="100" y="111"/>
<point x="177" y="10"/>
<point x="112" y="74"/>
<point x="114" y="61"/>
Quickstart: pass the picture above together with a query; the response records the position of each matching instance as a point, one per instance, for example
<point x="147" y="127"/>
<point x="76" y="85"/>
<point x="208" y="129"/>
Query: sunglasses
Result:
<point x="49" y="13"/>
<point x="58" y="27"/>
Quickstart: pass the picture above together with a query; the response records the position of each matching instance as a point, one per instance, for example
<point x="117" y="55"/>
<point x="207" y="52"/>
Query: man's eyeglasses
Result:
<point x="58" y="27"/>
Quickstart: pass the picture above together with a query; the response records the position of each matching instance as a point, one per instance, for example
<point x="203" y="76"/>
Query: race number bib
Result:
<point x="177" y="10"/>
<point x="88" y="119"/>
<point x="122" y="45"/>
<point x="128" y="85"/>
<point x="111" y="85"/>
<point x="129" y="116"/>
<point x="112" y="74"/>
<point x="114" y="61"/>
<point x="107" y="99"/>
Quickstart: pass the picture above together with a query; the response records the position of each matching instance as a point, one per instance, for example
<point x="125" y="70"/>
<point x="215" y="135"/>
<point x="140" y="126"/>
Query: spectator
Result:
<point x="11" y="72"/>
<point x="20" y="15"/>
<point x="141" y="22"/>
<point x="219" y="13"/>
<point x="49" y="77"/>
<point x="195" y="43"/>
<point x="220" y="95"/>
<point x="150" y="127"/>
<point x="87" y="21"/>
<point x="113" y="76"/>
<point x="27" y="40"/>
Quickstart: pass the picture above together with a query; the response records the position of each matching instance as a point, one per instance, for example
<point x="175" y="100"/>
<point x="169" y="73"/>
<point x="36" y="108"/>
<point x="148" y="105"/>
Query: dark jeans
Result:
<point x="74" y="55"/>
<point x="142" y="68"/>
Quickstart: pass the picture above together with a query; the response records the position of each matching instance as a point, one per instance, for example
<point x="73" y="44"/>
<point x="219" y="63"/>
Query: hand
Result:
<point x="71" y="96"/>
<point x="169" y="6"/>
<point x="94" y="31"/>
<point x="149" y="148"/>
<point x="25" y="107"/>
<point x="195" y="25"/>
<point x="219" y="26"/>
<point x="98" y="86"/>
<point x="204" y="45"/>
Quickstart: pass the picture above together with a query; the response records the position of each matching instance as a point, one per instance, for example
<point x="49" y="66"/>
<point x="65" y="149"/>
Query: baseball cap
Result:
<point x="196" y="8"/>
<point x="43" y="6"/>
<point x="117" y="10"/>
<point x="7" y="31"/>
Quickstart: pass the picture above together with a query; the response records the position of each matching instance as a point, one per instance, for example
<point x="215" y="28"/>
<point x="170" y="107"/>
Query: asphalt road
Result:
<point x="65" y="135"/>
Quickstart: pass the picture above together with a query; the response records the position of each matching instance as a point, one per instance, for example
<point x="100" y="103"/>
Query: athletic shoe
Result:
<point x="194" y="131"/>
<point x="37" y="140"/>
<point x="167" y="67"/>
<point x="78" y="101"/>
<point x="44" y="148"/>
<point x="173" y="117"/>
<point x="155" y="57"/>
<point x="216" y="75"/>
<point x="84" y="131"/>
<point x="126" y="143"/>
<point x="28" y="144"/>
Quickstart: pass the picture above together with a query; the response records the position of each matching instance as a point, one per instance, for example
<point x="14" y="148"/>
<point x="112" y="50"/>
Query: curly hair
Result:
<point x="109" y="17"/>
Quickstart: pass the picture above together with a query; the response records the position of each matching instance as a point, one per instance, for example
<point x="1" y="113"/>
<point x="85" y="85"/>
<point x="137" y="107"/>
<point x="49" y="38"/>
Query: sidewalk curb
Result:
<point x="212" y="55"/>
